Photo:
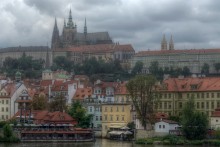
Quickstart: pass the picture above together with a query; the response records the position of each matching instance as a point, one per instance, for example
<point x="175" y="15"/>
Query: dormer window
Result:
<point x="194" y="87"/>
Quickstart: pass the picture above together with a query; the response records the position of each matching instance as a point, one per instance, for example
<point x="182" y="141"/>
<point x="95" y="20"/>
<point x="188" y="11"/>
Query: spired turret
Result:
<point x="55" y="36"/>
<point x="171" y="44"/>
<point x="164" y="43"/>
<point x="18" y="76"/>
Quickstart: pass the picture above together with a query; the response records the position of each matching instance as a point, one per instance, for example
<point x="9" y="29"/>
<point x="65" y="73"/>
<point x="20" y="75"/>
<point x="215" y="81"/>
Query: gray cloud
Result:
<point x="193" y="24"/>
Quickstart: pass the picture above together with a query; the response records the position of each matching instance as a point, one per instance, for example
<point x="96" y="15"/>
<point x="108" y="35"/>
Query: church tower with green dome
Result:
<point x="18" y="76"/>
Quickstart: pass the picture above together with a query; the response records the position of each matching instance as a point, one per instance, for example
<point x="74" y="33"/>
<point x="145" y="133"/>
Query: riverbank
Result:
<point x="177" y="140"/>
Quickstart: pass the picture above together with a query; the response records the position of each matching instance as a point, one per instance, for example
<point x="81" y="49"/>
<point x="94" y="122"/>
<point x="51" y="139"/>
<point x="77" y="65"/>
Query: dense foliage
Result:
<point x="29" y="67"/>
<point x="144" y="98"/>
<point x="58" y="103"/>
<point x="79" y="113"/>
<point x="39" y="102"/>
<point x="194" y="123"/>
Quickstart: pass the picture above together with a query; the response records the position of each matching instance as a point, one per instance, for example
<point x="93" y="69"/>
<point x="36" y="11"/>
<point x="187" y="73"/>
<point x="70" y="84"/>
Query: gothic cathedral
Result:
<point x="70" y="36"/>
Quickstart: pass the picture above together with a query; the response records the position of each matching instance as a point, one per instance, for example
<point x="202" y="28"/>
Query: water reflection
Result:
<point x="98" y="143"/>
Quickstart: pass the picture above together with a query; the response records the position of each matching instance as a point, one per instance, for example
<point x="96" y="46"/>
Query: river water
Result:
<point x="97" y="143"/>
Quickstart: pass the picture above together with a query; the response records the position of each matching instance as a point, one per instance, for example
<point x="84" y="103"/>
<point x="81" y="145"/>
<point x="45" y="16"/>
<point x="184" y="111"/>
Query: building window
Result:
<point x="212" y="95"/>
<point x="165" y="105"/>
<point x="96" y="118"/>
<point x="165" y="95"/>
<point x="169" y="95"/>
<point x="164" y="126"/>
<point x="160" y="126"/>
<point x="216" y="120"/>
<point x="90" y="109"/>
<point x="111" y="118"/>
<point x="198" y="95"/>
<point x="202" y="105"/>
<point x="111" y="109"/>
<point x="101" y="118"/>
<point x="180" y="105"/>
<point x="117" y="109"/>
<point x="117" y="118"/>
<point x="6" y="116"/>
<point x="3" y="117"/>
<point x="2" y="109"/>
<point x="122" y="118"/>
<point x="6" y="101"/>
<point x="207" y="105"/>
<point x="106" y="117"/>
<point x="6" y="109"/>
<point x="187" y="95"/>
<point x="212" y="105"/>
<point x="203" y="95"/>
<point x="207" y="95"/>
<point x="2" y="101"/>
<point x="198" y="106"/>
<point x="123" y="109"/>
<point x="218" y="95"/>
<point x="106" y="109"/>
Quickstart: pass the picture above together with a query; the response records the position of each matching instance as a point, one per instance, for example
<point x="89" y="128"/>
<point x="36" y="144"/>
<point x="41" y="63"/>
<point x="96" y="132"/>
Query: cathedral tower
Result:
<point x="69" y="31"/>
<point x="164" y="43"/>
<point x="171" y="44"/>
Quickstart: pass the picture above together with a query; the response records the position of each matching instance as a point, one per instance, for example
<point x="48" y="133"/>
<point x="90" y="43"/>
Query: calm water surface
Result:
<point x="98" y="143"/>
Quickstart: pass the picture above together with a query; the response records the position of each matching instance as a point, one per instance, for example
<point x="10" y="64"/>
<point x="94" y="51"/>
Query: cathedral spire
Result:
<point x="164" y="43"/>
<point x="55" y="35"/>
<point x="171" y="44"/>
<point x="70" y="21"/>
<point x="85" y="28"/>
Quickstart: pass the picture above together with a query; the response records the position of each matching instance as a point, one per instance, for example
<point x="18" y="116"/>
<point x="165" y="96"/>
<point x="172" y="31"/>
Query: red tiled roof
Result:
<point x="44" y="116"/>
<point x="45" y="83"/>
<point x="166" y="52"/>
<point x="216" y="113"/>
<point x="82" y="93"/>
<point x="121" y="89"/>
<point x="191" y="84"/>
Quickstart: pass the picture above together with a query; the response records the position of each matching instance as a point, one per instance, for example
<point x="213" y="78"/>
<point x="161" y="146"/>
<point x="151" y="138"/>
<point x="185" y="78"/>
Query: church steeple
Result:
<point x="164" y="43"/>
<point x="85" y="28"/>
<point x="171" y="44"/>
<point x="55" y="36"/>
<point x="70" y="21"/>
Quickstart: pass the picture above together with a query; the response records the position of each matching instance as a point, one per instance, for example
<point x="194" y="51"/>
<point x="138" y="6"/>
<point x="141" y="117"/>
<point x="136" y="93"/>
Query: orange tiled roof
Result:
<point x="191" y="84"/>
<point x="82" y="93"/>
<point x="189" y="51"/>
<point x="44" y="116"/>
<point x="216" y="113"/>
<point x="45" y="83"/>
<point x="121" y="89"/>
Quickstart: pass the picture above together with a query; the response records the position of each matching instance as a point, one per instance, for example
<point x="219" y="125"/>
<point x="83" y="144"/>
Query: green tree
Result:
<point x="61" y="62"/>
<point x="186" y="71"/>
<point x="137" y="68"/>
<point x="58" y="104"/>
<point x="7" y="131"/>
<point x="79" y="113"/>
<point x="194" y="123"/>
<point x="217" y="66"/>
<point x="154" y="67"/>
<point x="205" y="69"/>
<point x="144" y="97"/>
<point x="39" y="102"/>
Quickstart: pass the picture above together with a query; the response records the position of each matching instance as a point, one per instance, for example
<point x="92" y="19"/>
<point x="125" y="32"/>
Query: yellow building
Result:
<point x="4" y="105"/>
<point x="115" y="115"/>
<point x="175" y="92"/>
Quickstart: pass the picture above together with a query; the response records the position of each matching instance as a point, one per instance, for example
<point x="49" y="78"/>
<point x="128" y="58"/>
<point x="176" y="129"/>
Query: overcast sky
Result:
<point x="142" y="23"/>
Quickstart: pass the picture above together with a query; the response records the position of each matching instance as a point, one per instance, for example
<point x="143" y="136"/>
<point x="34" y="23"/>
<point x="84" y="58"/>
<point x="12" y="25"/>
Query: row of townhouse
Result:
<point x="175" y="92"/>
<point x="10" y="93"/>
<point x="109" y="103"/>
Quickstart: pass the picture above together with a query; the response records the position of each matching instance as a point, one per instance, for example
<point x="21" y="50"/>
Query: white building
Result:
<point x="165" y="126"/>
